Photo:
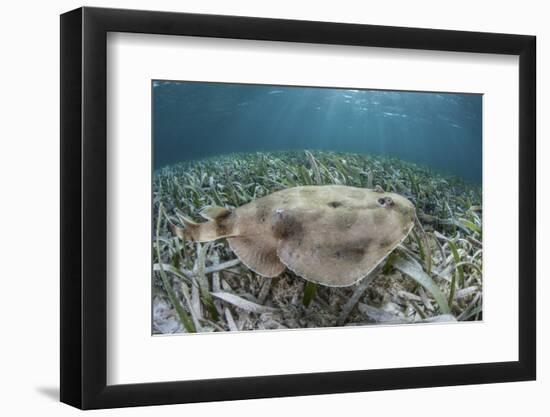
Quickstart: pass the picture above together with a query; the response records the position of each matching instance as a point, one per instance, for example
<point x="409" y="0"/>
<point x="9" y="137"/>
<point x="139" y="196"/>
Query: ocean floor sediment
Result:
<point x="435" y="275"/>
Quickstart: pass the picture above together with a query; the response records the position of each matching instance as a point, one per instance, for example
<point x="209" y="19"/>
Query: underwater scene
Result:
<point x="286" y="207"/>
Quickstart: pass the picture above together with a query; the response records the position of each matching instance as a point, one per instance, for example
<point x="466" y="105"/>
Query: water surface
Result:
<point x="194" y="120"/>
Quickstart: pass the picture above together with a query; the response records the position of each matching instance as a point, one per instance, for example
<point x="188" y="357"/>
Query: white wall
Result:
<point x="29" y="161"/>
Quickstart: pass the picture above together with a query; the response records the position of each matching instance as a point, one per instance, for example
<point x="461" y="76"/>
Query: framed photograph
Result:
<point x="257" y="208"/>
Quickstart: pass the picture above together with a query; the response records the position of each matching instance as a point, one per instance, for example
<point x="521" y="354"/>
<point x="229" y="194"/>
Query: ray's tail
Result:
<point x="220" y="224"/>
<point x="190" y="231"/>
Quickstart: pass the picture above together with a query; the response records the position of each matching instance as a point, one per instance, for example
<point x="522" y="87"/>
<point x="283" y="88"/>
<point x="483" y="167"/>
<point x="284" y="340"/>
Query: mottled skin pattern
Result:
<point x="332" y="235"/>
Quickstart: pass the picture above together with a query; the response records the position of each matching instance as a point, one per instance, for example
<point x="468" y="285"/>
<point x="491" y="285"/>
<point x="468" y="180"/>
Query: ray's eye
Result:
<point x="385" y="201"/>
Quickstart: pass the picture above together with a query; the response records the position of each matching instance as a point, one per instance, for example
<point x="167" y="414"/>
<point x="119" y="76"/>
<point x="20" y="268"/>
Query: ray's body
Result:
<point x="333" y="235"/>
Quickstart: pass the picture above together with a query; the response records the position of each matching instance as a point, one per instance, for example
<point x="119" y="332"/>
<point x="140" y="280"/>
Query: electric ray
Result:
<point x="333" y="235"/>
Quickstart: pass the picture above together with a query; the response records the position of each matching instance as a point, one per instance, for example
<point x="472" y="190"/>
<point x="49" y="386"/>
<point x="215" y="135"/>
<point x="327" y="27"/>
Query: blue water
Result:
<point x="193" y="120"/>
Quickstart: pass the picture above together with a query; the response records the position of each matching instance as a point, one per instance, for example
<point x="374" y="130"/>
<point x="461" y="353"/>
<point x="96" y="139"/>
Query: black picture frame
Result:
<point x="84" y="207"/>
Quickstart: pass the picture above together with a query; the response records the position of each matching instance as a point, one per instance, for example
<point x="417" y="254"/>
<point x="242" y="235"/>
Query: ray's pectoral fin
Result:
<point x="258" y="255"/>
<point x="334" y="264"/>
